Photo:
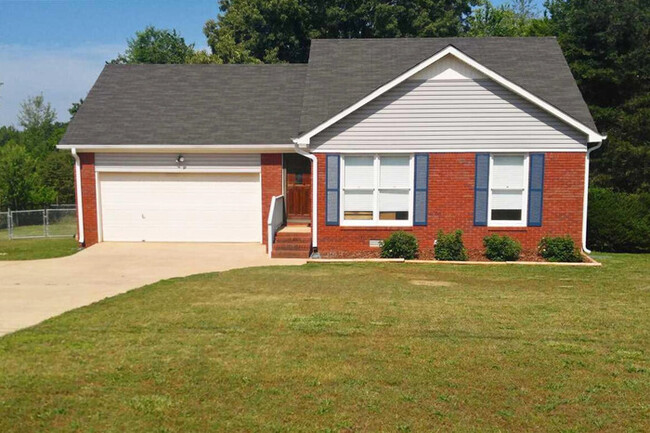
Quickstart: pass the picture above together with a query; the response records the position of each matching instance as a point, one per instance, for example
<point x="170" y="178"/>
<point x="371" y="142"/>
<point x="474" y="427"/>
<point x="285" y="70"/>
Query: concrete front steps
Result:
<point x="292" y="242"/>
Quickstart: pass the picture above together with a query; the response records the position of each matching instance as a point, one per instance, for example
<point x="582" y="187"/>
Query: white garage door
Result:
<point x="170" y="207"/>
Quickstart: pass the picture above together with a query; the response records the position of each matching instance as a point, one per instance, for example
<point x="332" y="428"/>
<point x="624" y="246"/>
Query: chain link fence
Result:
<point x="41" y="223"/>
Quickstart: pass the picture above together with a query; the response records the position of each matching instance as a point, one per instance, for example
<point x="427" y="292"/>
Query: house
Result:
<point x="487" y="135"/>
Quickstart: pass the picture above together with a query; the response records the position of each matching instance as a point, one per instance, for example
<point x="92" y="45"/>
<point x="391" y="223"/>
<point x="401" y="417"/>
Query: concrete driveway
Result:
<point x="32" y="291"/>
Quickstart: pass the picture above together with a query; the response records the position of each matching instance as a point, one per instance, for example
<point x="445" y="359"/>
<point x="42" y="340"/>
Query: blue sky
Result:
<point x="59" y="47"/>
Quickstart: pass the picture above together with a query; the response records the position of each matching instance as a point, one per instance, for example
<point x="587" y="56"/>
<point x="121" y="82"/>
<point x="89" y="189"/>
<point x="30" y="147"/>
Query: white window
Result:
<point x="508" y="199"/>
<point x="377" y="190"/>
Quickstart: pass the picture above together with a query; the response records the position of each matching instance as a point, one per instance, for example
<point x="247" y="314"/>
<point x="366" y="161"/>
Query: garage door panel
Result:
<point x="166" y="207"/>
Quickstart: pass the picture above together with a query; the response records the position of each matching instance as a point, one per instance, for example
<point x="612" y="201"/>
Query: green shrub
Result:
<point x="618" y="222"/>
<point x="450" y="246"/>
<point x="559" y="249"/>
<point x="501" y="248"/>
<point x="400" y="245"/>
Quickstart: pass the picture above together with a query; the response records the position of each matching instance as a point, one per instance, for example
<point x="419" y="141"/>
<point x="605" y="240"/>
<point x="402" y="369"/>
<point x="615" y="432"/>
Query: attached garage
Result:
<point x="151" y="202"/>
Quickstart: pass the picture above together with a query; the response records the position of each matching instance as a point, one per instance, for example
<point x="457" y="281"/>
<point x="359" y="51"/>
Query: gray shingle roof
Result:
<point x="191" y="104"/>
<point x="341" y="72"/>
<point x="264" y="104"/>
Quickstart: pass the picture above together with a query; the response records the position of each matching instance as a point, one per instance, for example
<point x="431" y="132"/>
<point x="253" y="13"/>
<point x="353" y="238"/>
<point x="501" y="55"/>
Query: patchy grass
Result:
<point x="40" y="248"/>
<point x="345" y="348"/>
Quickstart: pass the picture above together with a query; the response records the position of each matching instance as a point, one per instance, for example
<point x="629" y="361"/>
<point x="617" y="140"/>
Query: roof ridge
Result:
<point x="421" y="38"/>
<point x="204" y="64"/>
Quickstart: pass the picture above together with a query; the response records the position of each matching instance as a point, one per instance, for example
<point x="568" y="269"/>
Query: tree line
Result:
<point x="606" y="43"/>
<point x="32" y="172"/>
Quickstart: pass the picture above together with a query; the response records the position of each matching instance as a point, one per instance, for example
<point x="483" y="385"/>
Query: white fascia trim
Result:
<point x="593" y="136"/>
<point x="192" y="148"/>
<point x="357" y="150"/>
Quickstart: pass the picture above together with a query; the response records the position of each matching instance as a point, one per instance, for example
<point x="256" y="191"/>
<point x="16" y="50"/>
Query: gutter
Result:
<point x="314" y="199"/>
<point x="80" y="208"/>
<point x="586" y="197"/>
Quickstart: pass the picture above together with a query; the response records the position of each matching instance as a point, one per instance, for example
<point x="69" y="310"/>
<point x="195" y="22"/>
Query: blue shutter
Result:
<point x="535" y="189"/>
<point x="481" y="180"/>
<point x="332" y="189"/>
<point x="421" y="189"/>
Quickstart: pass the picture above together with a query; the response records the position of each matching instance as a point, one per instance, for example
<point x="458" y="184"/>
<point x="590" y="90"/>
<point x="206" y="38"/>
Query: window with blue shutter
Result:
<point x="481" y="181"/>
<point x="536" y="189"/>
<point x="332" y="189"/>
<point x="421" y="189"/>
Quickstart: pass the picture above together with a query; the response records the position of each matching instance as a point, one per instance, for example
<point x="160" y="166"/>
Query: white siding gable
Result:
<point x="448" y="68"/>
<point x="449" y="106"/>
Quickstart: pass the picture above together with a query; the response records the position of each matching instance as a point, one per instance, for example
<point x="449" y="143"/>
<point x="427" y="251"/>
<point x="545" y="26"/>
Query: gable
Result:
<point x="449" y="106"/>
<point x="346" y="74"/>
<point x="448" y="68"/>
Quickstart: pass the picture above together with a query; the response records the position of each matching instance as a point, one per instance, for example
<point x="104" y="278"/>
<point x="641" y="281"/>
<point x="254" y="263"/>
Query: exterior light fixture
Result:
<point x="180" y="159"/>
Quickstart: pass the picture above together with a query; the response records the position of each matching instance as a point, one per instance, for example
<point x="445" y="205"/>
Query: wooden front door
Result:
<point x="298" y="172"/>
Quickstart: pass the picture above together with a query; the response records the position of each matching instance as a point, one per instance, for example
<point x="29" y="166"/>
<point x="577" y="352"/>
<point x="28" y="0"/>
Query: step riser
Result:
<point x="300" y="252"/>
<point x="292" y="239"/>
<point x="293" y="244"/>
<point x="289" y="255"/>
<point x="282" y="247"/>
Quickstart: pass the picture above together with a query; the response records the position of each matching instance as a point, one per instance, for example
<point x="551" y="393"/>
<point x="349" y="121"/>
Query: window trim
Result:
<point x="376" y="222"/>
<point x="523" y="222"/>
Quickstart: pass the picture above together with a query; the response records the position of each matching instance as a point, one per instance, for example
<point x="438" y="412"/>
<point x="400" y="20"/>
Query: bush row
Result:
<point x="618" y="221"/>
<point x="450" y="247"/>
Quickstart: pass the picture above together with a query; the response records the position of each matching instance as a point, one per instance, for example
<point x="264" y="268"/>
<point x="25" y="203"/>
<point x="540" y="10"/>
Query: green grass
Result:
<point x="345" y="348"/>
<point x="40" y="248"/>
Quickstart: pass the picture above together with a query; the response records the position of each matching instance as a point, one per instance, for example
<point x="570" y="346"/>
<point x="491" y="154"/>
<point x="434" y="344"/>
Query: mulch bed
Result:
<point x="428" y="254"/>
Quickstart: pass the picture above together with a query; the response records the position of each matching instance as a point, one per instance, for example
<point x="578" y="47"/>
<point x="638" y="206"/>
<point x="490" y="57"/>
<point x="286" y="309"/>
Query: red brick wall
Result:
<point x="271" y="185"/>
<point x="451" y="206"/>
<point x="89" y="198"/>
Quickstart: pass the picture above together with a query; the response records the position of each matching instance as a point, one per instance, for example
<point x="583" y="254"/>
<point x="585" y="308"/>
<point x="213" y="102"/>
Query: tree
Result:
<point x="40" y="131"/>
<point x="8" y="133"/>
<point x="56" y="171"/>
<point x="75" y="107"/>
<point x="154" y="45"/>
<point x="36" y="113"/>
<point x="280" y="31"/>
<point x="607" y="45"/>
<point x="517" y="18"/>
<point x="203" y="57"/>
<point x="20" y="184"/>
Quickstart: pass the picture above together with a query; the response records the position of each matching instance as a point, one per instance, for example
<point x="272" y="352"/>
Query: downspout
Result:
<point x="314" y="197"/>
<point x="585" y="199"/>
<point x="80" y="207"/>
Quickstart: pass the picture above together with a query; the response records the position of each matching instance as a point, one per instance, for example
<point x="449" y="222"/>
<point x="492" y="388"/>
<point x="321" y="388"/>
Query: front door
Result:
<point x="298" y="172"/>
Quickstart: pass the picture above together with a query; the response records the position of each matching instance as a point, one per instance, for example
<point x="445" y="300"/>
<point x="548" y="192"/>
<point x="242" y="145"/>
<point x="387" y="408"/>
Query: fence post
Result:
<point x="46" y="229"/>
<point x="10" y="224"/>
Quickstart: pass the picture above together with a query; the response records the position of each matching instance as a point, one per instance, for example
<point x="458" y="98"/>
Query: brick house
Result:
<point x="487" y="135"/>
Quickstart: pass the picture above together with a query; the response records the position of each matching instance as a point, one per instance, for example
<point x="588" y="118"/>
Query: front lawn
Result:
<point x="345" y="348"/>
<point x="39" y="248"/>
